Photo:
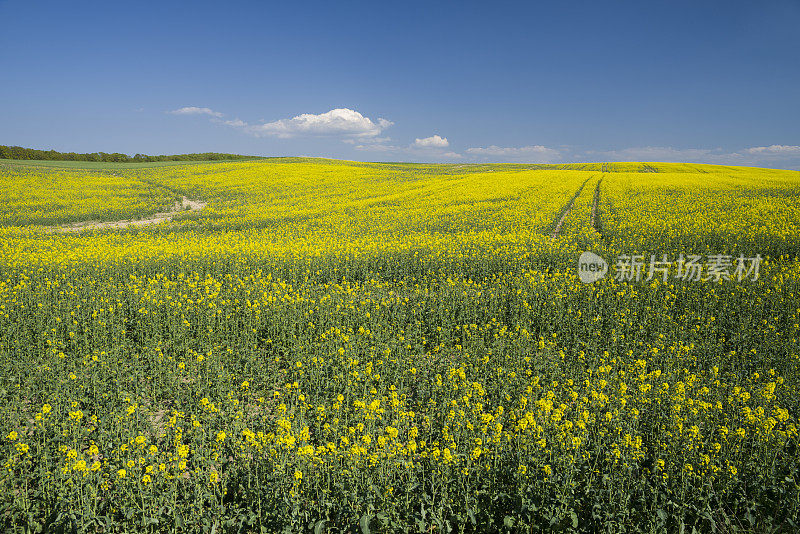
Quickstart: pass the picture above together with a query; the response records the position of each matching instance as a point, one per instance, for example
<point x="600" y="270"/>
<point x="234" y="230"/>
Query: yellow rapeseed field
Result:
<point x="338" y="346"/>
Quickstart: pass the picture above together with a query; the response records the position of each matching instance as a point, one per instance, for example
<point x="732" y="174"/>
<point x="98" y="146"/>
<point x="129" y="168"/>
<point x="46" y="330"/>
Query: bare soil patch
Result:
<point x="180" y="206"/>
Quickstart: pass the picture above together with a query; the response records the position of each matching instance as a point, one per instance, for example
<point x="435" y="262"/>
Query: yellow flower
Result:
<point x="121" y="473"/>
<point x="298" y="475"/>
<point x="447" y="456"/>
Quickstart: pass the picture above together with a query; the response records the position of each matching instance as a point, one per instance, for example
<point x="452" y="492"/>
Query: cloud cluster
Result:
<point x="432" y="147"/>
<point x="350" y="126"/>
<point x="342" y="122"/>
<point x="775" y="150"/>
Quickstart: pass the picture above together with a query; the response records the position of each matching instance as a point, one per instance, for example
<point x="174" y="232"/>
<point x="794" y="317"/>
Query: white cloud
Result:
<point x="532" y="153"/>
<point x="431" y="142"/>
<point x="453" y="155"/>
<point x="775" y="150"/>
<point x="340" y="121"/>
<point x="192" y="110"/>
<point x="236" y="123"/>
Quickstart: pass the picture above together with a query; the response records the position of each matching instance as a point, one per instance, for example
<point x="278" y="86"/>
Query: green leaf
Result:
<point x="364" y="523"/>
<point x="319" y="527"/>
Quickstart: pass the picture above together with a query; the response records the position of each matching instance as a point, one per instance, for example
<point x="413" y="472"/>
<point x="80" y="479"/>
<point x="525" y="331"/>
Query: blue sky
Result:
<point x="714" y="82"/>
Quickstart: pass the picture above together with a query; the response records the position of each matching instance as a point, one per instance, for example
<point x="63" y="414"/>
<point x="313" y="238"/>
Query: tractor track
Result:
<point x="594" y="220"/>
<point x="568" y="209"/>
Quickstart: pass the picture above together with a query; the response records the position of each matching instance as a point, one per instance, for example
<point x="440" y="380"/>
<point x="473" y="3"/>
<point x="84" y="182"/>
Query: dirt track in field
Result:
<point x="180" y="206"/>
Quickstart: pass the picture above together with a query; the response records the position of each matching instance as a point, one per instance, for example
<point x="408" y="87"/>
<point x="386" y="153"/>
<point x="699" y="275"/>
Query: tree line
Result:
<point x="18" y="152"/>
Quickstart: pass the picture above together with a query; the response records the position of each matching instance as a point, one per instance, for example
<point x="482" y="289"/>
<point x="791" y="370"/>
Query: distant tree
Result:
<point x="18" y="152"/>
